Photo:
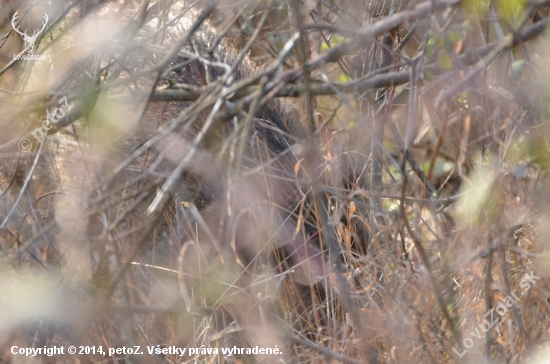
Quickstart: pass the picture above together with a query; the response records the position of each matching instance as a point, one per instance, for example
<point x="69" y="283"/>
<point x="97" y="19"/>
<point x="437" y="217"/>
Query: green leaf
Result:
<point x="478" y="7"/>
<point x="461" y="28"/>
<point x="448" y="44"/>
<point x="430" y="47"/>
<point x="426" y="166"/>
<point x="517" y="69"/>
<point x="455" y="36"/>
<point x="344" y="78"/>
<point x="335" y="39"/>
<point x="428" y="75"/>
<point x="445" y="62"/>
<point x="511" y="10"/>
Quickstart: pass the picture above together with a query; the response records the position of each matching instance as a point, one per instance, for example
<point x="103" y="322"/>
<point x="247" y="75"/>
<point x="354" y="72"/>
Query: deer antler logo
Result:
<point x="29" y="40"/>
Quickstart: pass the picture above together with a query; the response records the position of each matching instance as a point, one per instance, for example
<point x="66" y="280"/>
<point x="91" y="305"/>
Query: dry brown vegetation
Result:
<point x="347" y="181"/>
